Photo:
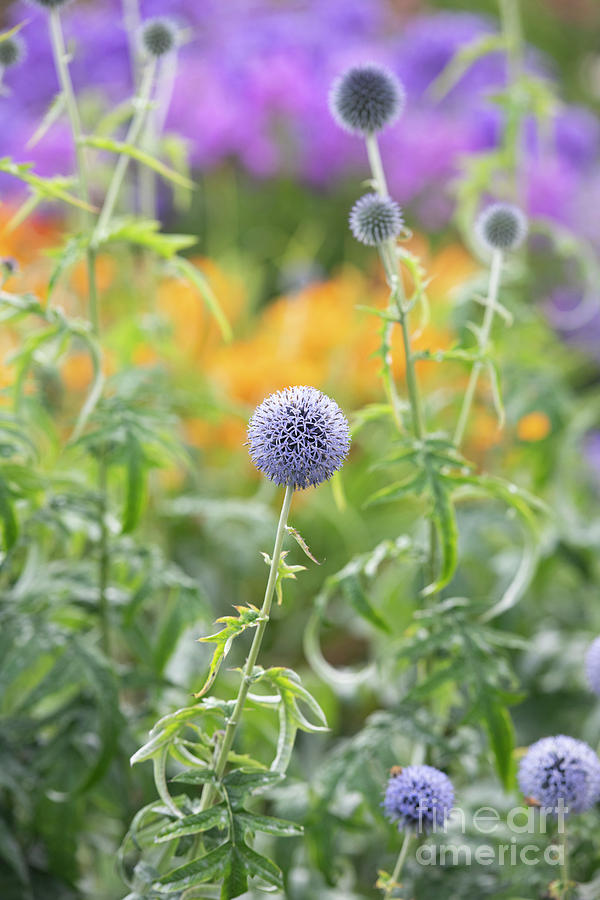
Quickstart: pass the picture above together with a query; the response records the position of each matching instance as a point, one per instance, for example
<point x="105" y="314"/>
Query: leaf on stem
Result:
<point x="248" y="617"/>
<point x="141" y="156"/>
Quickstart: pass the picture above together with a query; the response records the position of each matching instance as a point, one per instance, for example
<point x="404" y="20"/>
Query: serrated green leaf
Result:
<point x="50" y="188"/>
<point x="10" y="528"/>
<point x="501" y="734"/>
<point x="414" y="484"/>
<point x="291" y="691"/>
<point x="241" y="782"/>
<point x="214" y="817"/>
<point x="269" y="825"/>
<point x="208" y="867"/>
<point x="144" y="233"/>
<point x="235" y="881"/>
<point x="301" y="542"/>
<point x="462" y="61"/>
<point x="352" y="590"/>
<point x="186" y="270"/>
<point x="259" y="866"/>
<point x="100" y="142"/>
<point x="134" y="496"/>
<point x="73" y="250"/>
<point x="444" y="518"/>
<point x="200" y="776"/>
<point x="248" y="617"/>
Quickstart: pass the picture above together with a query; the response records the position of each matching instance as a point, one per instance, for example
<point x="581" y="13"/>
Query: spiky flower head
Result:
<point x="592" y="666"/>
<point x="419" y="798"/>
<point x="375" y="219"/>
<point x="12" y="51"/>
<point x="158" y="36"/>
<point x="501" y="226"/>
<point x="366" y="99"/>
<point x="298" y="437"/>
<point x="561" y="772"/>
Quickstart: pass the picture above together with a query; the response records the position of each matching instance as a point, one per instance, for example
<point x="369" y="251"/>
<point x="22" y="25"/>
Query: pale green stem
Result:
<point x="133" y="134"/>
<point x="389" y="258"/>
<point x="66" y="85"/>
<point x="233" y="722"/>
<point x="483" y="342"/>
<point x="397" y="301"/>
<point x="155" y="123"/>
<point x="564" y="894"/>
<point x="376" y="165"/>
<point x="513" y="35"/>
<point x="399" y="864"/>
<point x="132" y="21"/>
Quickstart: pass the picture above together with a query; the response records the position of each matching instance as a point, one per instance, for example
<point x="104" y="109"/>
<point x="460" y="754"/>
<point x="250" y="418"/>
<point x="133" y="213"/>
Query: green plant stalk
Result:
<point x="225" y="746"/>
<point x="397" y="299"/>
<point x="399" y="864"/>
<point x="132" y="21"/>
<point x="64" y="77"/>
<point x="513" y="36"/>
<point x="66" y="85"/>
<point x="133" y="134"/>
<point x="104" y="561"/>
<point x="398" y="304"/>
<point x="564" y="871"/>
<point x="483" y="342"/>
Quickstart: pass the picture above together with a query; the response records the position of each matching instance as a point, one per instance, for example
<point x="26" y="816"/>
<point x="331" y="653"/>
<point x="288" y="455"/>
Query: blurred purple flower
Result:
<point x="253" y="84"/>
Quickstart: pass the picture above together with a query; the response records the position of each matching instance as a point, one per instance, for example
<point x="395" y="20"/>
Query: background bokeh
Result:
<point x="274" y="181"/>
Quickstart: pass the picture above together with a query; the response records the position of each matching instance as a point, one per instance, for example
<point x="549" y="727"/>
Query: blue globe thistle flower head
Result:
<point x="501" y="226"/>
<point x="375" y="219"/>
<point x="158" y="36"/>
<point x="298" y="437"/>
<point x="561" y="772"/>
<point x="365" y="99"/>
<point x="12" y="51"/>
<point x="418" y="798"/>
<point x="592" y="666"/>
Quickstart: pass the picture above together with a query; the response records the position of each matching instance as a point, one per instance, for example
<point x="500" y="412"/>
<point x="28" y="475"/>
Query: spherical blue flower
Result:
<point x="298" y="437"/>
<point x="592" y="666"/>
<point x="12" y="51"/>
<point x="561" y="771"/>
<point x="501" y="226"/>
<point x="158" y="36"/>
<point x="365" y="99"/>
<point x="418" y="798"/>
<point x="375" y="219"/>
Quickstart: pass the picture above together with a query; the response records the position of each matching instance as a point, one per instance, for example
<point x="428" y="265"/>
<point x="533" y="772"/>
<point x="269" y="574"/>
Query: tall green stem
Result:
<point x="483" y="342"/>
<point x="233" y="722"/>
<point x="61" y="61"/>
<point x="399" y="864"/>
<point x="133" y="134"/>
<point x="397" y="299"/>
<point x="514" y="135"/>
<point x="564" y="875"/>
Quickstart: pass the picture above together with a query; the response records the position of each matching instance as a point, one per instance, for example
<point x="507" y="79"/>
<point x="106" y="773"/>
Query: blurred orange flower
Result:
<point x="535" y="426"/>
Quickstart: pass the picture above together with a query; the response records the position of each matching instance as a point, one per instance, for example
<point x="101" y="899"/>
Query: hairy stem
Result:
<point x="399" y="864"/>
<point x="133" y="134"/>
<point x="61" y="61"/>
<point x="483" y="342"/>
<point x="232" y="724"/>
